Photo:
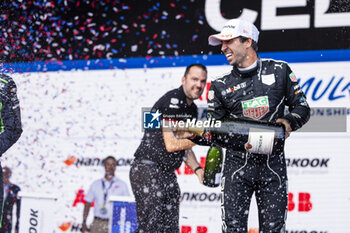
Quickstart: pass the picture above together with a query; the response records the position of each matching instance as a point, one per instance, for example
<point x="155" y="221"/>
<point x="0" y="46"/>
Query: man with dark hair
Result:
<point x="152" y="175"/>
<point x="11" y="198"/>
<point x="10" y="120"/>
<point x="257" y="89"/>
<point x="99" y="192"/>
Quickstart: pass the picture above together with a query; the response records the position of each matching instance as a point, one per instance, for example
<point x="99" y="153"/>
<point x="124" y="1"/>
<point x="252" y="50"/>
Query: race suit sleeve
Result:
<point x="299" y="110"/>
<point x="216" y="110"/>
<point x="10" y="118"/>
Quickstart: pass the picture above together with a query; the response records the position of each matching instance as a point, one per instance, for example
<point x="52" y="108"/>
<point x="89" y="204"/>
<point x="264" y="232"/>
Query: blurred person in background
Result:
<point x="10" y="122"/>
<point x="10" y="199"/>
<point x="99" y="192"/>
<point x="152" y="174"/>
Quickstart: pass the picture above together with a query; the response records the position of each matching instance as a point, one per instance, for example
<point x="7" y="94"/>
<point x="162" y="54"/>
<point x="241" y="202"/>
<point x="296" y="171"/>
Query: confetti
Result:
<point x="44" y="30"/>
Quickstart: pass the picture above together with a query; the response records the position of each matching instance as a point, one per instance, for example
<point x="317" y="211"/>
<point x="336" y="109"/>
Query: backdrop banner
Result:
<point x="74" y="119"/>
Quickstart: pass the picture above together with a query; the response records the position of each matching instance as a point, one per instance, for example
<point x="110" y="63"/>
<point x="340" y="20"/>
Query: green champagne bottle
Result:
<point x="213" y="165"/>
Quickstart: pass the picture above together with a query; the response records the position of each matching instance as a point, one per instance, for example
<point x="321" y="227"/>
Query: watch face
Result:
<point x="103" y="210"/>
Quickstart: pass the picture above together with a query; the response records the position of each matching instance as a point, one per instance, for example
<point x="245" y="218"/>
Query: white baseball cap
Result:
<point x="234" y="28"/>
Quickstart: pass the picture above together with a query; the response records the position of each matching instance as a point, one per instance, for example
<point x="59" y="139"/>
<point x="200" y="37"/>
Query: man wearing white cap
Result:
<point x="257" y="89"/>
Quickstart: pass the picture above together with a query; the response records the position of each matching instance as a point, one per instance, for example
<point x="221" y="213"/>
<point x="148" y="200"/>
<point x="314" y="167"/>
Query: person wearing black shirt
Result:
<point x="152" y="175"/>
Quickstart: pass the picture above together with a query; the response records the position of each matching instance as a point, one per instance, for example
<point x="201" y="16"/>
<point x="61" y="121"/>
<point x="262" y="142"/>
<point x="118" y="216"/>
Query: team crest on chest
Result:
<point x="256" y="108"/>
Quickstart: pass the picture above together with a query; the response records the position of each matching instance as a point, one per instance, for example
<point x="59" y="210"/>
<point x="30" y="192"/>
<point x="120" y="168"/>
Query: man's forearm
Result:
<point x="173" y="144"/>
<point x="191" y="160"/>
<point x="86" y="211"/>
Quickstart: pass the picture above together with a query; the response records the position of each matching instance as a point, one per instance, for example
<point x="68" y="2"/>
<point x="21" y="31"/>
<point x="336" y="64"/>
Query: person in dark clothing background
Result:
<point x="152" y="175"/>
<point x="10" y="121"/>
<point x="10" y="199"/>
<point x="255" y="89"/>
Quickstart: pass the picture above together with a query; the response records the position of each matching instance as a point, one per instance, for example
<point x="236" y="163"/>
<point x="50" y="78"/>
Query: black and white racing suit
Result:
<point x="260" y="93"/>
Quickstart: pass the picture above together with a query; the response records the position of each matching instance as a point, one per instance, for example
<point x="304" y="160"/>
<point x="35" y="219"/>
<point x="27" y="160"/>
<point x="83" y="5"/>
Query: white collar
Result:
<point x="252" y="66"/>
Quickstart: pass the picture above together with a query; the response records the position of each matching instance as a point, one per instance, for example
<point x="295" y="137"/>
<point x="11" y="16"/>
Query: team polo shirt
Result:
<point x="173" y="106"/>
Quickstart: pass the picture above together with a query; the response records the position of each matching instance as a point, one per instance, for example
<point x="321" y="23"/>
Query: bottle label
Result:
<point x="261" y="140"/>
<point x="218" y="178"/>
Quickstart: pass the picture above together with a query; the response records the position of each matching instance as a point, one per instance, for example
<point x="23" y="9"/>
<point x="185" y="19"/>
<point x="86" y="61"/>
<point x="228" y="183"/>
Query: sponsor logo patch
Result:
<point x="210" y="95"/>
<point x="174" y="100"/>
<point x="236" y="87"/>
<point x="268" y="79"/>
<point x="256" y="108"/>
<point x="293" y="77"/>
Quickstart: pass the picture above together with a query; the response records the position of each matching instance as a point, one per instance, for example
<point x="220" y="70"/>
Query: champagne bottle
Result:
<point x="213" y="165"/>
<point x="241" y="135"/>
